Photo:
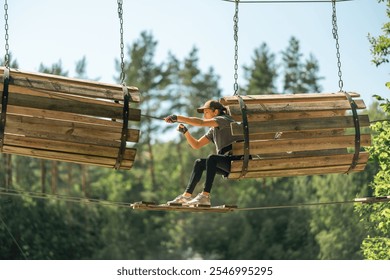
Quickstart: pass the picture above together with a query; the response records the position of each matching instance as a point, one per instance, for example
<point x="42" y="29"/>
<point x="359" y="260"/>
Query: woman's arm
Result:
<point x="197" y="121"/>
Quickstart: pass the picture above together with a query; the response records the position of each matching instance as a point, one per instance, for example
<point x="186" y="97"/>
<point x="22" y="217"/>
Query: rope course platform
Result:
<point x="143" y="205"/>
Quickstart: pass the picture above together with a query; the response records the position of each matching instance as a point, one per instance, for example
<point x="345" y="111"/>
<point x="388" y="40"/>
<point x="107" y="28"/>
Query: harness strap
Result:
<point x="4" y="102"/>
<point x="356" y="123"/>
<point x="122" y="148"/>
<point x="245" y="129"/>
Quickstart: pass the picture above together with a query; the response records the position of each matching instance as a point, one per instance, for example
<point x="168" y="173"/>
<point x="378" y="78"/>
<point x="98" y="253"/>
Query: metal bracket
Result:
<point x="122" y="148"/>
<point x="4" y="103"/>
<point x="356" y="123"/>
<point x="245" y="128"/>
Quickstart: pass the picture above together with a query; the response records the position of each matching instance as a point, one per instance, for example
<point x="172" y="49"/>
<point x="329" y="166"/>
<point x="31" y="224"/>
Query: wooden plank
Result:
<point x="65" y="131"/>
<point x="299" y="172"/>
<point x="74" y="148"/>
<point x="55" y="115"/>
<point x="294" y="125"/>
<point x="277" y="98"/>
<point x="67" y="157"/>
<point x="296" y="145"/>
<point x="163" y="207"/>
<point x="298" y="162"/>
<point x="298" y="134"/>
<point x="334" y="105"/>
<point x="72" y="104"/>
<point x="68" y="85"/>
<point x="265" y="117"/>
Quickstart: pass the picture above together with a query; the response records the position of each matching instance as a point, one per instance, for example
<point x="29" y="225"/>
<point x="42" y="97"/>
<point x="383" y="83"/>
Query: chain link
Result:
<point x="336" y="37"/>
<point x="122" y="45"/>
<point x="6" y="57"/>
<point x="235" y="20"/>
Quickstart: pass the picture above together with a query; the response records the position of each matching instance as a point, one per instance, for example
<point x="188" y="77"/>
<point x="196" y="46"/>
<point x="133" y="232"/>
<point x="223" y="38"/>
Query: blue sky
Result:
<point x="46" y="31"/>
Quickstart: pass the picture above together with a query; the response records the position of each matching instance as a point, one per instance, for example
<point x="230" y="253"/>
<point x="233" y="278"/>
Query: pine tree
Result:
<point x="262" y="74"/>
<point x="299" y="77"/>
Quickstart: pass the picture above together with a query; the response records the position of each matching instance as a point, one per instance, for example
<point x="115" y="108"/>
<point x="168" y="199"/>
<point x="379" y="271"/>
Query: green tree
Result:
<point x="299" y="77"/>
<point x="376" y="217"/>
<point x="151" y="79"/>
<point x="380" y="46"/>
<point x="262" y="74"/>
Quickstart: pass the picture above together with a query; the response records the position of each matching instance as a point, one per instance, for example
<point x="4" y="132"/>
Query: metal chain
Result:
<point x="122" y="45"/>
<point x="336" y="37"/>
<point x="235" y="20"/>
<point x="6" y="57"/>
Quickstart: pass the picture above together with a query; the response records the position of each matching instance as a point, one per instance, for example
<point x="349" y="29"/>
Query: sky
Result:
<point x="48" y="31"/>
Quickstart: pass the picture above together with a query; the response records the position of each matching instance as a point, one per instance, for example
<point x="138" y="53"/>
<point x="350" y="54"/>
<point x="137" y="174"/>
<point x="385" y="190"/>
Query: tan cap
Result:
<point x="211" y="104"/>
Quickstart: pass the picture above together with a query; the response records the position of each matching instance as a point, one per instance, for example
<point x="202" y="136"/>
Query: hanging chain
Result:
<point x="6" y="57"/>
<point x="336" y="37"/>
<point x="235" y="20"/>
<point x="122" y="46"/>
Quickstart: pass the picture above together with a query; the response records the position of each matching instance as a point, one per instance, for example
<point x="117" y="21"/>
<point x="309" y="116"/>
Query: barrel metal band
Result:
<point x="4" y="102"/>
<point x="122" y="148"/>
<point x="245" y="129"/>
<point x="356" y="123"/>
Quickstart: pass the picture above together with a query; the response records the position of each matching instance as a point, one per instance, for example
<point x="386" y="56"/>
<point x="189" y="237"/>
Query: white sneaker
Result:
<point x="180" y="199"/>
<point x="200" y="199"/>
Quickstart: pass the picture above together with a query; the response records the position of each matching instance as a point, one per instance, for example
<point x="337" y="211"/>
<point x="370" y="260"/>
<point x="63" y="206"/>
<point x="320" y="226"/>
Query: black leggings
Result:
<point x="213" y="164"/>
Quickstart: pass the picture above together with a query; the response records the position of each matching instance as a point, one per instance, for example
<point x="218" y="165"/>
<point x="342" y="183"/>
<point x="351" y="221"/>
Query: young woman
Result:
<point x="214" y="117"/>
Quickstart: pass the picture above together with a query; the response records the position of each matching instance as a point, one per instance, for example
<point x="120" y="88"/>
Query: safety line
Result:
<point x="13" y="238"/>
<point x="82" y="200"/>
<point x="368" y="200"/>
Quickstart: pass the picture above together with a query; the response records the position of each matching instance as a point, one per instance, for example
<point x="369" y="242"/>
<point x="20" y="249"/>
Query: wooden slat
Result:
<point x="67" y="157"/>
<point x="295" y="125"/>
<point x="299" y="134"/>
<point x="299" y="172"/>
<point x="69" y="85"/>
<point x="334" y="105"/>
<point x="74" y="148"/>
<point x="298" y="162"/>
<point x="277" y="98"/>
<point x="55" y="115"/>
<point x="296" y="145"/>
<point x="266" y="117"/>
<point x="65" y="131"/>
<point x="72" y="104"/>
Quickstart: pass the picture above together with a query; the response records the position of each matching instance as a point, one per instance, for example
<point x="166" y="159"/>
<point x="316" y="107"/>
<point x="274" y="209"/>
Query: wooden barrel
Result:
<point x="299" y="134"/>
<point x="59" y="118"/>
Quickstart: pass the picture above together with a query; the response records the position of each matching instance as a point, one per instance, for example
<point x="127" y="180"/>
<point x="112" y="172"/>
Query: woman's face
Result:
<point x="209" y="113"/>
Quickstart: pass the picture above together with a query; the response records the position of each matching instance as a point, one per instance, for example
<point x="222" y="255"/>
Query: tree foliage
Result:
<point x="376" y="217"/>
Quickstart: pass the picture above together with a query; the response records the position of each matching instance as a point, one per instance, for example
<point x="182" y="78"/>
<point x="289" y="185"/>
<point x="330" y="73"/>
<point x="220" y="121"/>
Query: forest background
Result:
<point x="55" y="228"/>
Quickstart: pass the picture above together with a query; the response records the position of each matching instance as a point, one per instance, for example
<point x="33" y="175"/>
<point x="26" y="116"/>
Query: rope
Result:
<point x="65" y="198"/>
<point x="100" y="202"/>
<point x="13" y="238"/>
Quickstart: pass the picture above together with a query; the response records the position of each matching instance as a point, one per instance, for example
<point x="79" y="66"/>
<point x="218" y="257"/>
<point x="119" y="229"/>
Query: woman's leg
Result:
<point x="216" y="164"/>
<point x="197" y="171"/>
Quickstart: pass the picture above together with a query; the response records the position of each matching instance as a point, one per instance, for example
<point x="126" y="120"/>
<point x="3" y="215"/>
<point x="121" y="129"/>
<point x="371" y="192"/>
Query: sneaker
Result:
<point x="200" y="199"/>
<point x="180" y="199"/>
